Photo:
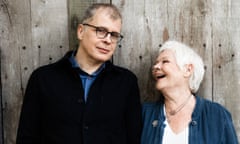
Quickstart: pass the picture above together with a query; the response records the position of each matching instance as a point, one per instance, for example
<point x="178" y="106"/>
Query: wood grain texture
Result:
<point x="147" y="24"/>
<point x="15" y="30"/>
<point x="34" y="33"/>
<point x="226" y="56"/>
<point x="209" y="27"/>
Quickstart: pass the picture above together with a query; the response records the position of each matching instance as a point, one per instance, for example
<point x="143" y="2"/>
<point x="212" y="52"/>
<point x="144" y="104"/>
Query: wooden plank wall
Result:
<point x="1" y="115"/>
<point x="34" y="33"/>
<point x="211" y="27"/>
<point x="226" y="56"/>
<point x="147" y="24"/>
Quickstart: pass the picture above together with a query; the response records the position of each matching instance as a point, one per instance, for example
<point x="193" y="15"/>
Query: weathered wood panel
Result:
<point x="33" y="33"/>
<point x="15" y="36"/>
<point x="190" y="22"/>
<point x="147" y="24"/>
<point x="226" y="56"/>
<point x="1" y="115"/>
<point x="143" y="34"/>
<point x="210" y="27"/>
<point x="49" y="30"/>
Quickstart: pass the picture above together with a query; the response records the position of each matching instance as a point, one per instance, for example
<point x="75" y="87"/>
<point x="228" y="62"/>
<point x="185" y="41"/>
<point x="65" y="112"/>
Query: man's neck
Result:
<point x="87" y="64"/>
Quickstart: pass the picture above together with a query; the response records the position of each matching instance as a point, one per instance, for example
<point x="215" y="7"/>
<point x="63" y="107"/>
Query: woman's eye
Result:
<point x="165" y="61"/>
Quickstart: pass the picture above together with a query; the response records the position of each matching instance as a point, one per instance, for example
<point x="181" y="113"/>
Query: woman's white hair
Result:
<point x="186" y="55"/>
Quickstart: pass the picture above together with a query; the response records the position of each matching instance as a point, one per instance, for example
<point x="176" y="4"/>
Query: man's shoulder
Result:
<point x="211" y="108"/>
<point x="61" y="65"/>
<point x="120" y="69"/>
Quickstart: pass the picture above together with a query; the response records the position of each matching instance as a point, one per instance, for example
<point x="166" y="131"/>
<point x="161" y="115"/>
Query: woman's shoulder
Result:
<point x="214" y="108"/>
<point x="212" y="105"/>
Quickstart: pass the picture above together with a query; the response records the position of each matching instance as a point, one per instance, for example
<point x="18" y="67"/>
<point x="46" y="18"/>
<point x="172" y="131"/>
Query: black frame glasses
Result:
<point x="102" y="33"/>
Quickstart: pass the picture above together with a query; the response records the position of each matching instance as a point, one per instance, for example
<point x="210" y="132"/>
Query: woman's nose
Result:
<point x="156" y="67"/>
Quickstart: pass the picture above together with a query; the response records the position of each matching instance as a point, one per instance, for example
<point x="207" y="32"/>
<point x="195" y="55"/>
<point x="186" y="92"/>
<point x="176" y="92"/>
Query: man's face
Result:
<point x="93" y="47"/>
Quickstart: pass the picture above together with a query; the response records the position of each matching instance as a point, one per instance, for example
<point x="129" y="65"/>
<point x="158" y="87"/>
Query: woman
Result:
<point x="182" y="117"/>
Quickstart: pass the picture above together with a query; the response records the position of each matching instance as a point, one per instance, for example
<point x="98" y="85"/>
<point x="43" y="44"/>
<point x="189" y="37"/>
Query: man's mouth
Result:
<point x="103" y="50"/>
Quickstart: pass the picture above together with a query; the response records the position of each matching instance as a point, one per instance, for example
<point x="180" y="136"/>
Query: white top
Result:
<point x="169" y="137"/>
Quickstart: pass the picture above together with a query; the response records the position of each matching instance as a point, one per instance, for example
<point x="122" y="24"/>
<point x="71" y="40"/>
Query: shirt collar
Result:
<point x="75" y="65"/>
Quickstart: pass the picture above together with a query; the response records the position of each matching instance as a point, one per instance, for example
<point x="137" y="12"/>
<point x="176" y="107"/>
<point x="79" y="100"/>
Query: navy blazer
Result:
<point x="54" y="110"/>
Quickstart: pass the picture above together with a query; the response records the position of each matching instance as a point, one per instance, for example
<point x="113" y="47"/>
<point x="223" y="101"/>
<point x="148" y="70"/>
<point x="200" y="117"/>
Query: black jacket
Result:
<point x="54" y="110"/>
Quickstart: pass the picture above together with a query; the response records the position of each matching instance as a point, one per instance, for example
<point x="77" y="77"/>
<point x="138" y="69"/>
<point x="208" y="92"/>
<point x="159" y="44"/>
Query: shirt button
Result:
<point x="85" y="128"/>
<point x="89" y="78"/>
<point x="80" y="100"/>
<point x="194" y="123"/>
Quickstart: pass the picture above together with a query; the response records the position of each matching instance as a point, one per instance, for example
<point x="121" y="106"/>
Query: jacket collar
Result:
<point x="65" y="61"/>
<point x="195" y="115"/>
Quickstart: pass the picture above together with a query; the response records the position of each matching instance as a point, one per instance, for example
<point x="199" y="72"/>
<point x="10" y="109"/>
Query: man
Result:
<point x="83" y="98"/>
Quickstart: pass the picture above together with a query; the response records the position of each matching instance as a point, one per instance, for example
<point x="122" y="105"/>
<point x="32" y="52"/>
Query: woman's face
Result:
<point x="167" y="73"/>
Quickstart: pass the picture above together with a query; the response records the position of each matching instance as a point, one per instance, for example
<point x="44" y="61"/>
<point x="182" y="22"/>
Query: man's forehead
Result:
<point x="110" y="13"/>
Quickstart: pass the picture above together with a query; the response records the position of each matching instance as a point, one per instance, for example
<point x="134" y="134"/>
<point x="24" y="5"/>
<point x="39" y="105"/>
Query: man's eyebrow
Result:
<point x="105" y="28"/>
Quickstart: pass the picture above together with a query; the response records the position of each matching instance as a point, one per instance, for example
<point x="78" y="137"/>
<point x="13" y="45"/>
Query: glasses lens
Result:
<point x="115" y="36"/>
<point x="102" y="33"/>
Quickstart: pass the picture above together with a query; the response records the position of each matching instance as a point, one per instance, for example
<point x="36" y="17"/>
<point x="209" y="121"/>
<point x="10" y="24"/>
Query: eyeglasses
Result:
<point x="102" y="33"/>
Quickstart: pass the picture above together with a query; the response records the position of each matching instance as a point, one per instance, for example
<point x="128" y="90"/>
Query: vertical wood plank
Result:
<point x="1" y="108"/>
<point x="33" y="33"/>
<point x="15" y="34"/>
<point x="226" y="56"/>
<point x="143" y="28"/>
<point x="49" y="30"/>
<point x="147" y="24"/>
<point x="190" y="22"/>
<point x="2" y="18"/>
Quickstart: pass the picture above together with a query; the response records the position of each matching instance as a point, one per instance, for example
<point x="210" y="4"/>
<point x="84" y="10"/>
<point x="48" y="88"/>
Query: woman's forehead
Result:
<point x="166" y="53"/>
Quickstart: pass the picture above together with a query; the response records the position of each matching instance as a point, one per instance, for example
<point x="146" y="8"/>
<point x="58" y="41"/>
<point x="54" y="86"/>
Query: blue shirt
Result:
<point x="87" y="79"/>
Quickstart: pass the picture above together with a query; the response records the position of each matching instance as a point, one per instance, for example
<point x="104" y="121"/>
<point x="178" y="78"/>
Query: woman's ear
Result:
<point x="80" y="30"/>
<point x="188" y="70"/>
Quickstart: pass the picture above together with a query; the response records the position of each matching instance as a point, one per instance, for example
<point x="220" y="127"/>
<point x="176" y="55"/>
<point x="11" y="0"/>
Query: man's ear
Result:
<point x="80" y="31"/>
<point x="188" y="70"/>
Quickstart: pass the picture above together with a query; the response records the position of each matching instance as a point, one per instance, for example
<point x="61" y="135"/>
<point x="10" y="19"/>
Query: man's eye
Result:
<point x="101" y="30"/>
<point x="115" y="34"/>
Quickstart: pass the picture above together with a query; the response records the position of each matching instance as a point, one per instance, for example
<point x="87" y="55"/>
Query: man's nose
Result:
<point x="108" y="38"/>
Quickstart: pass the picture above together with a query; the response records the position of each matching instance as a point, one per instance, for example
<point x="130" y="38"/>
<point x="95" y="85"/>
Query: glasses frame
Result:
<point x="112" y="34"/>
